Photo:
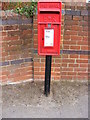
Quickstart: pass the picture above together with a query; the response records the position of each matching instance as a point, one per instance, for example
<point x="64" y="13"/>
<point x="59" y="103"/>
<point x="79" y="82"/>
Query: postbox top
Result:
<point x="49" y="0"/>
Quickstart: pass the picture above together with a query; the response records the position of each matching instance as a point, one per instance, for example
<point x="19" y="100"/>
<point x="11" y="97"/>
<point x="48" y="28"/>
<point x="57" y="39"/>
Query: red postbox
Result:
<point x="49" y="27"/>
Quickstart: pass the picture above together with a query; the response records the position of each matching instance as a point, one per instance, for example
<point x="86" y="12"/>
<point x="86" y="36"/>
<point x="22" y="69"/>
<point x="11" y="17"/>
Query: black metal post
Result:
<point x="47" y="74"/>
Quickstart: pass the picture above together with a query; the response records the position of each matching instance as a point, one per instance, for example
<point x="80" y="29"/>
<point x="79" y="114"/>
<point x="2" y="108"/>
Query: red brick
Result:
<point x="39" y="73"/>
<point x="74" y="56"/>
<point x="57" y="69"/>
<point x="1" y="28"/>
<point x="67" y="69"/>
<point x="84" y="65"/>
<point x="20" y="78"/>
<point x="25" y="27"/>
<point x="43" y="60"/>
<point x="66" y="37"/>
<point x="63" y="73"/>
<point x="57" y="60"/>
<point x="4" y="77"/>
<point x="35" y="21"/>
<point x="68" y="17"/>
<point x="39" y="64"/>
<point x="24" y="73"/>
<point x="35" y="41"/>
<point x="13" y="48"/>
<point x="81" y="33"/>
<point x="68" y="6"/>
<point x="72" y="23"/>
<point x="65" y="56"/>
<point x="35" y="26"/>
<point x="64" y="65"/>
<point x="14" y="27"/>
<point x="56" y="65"/>
<point x="4" y="54"/>
<point x="27" y="32"/>
<point x="66" y="47"/>
<point x="3" y="33"/>
<point x="57" y="78"/>
<point x="86" y="18"/>
<point x="24" y="69"/>
<point x="37" y="60"/>
<point x="82" y="74"/>
<point x="75" y="47"/>
<point x="10" y="38"/>
<point x="5" y="73"/>
<point x="1" y="39"/>
<point x="83" y="23"/>
<point x="85" y="28"/>
<point x="66" y="77"/>
<point x="76" y="37"/>
<point x="72" y="7"/>
<point x="71" y="73"/>
<point x="73" y="65"/>
<point x="77" y="28"/>
<point x="84" y="56"/>
<point x="14" y="33"/>
<point x="35" y="37"/>
<point x="82" y="77"/>
<point x="85" y="38"/>
<point x="82" y="42"/>
<point x="14" y="75"/>
<point x="82" y="61"/>
<point x="70" y="42"/>
<point x="84" y="47"/>
<point x="79" y="69"/>
<point x="43" y="69"/>
<point x="11" y="57"/>
<point x="69" y="32"/>
<point x="67" y="27"/>
<point x="77" y="18"/>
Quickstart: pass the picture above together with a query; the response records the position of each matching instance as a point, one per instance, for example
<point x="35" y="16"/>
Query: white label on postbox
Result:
<point x="49" y="37"/>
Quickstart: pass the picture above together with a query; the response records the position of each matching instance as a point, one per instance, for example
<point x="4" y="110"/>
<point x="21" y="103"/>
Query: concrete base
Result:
<point x="26" y="100"/>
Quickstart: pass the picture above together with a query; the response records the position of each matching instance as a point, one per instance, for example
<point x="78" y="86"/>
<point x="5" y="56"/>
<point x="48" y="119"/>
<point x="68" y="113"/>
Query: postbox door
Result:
<point x="55" y="35"/>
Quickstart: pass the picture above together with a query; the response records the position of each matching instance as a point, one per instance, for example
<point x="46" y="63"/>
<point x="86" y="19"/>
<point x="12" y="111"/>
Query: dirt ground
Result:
<point x="26" y="100"/>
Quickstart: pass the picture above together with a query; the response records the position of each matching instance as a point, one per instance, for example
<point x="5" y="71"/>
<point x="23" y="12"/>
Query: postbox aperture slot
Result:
<point x="49" y="12"/>
<point x="42" y="10"/>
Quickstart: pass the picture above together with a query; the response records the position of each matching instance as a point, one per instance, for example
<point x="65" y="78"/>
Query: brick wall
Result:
<point x="17" y="48"/>
<point x="75" y="44"/>
<point x="20" y="60"/>
<point x="72" y="64"/>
